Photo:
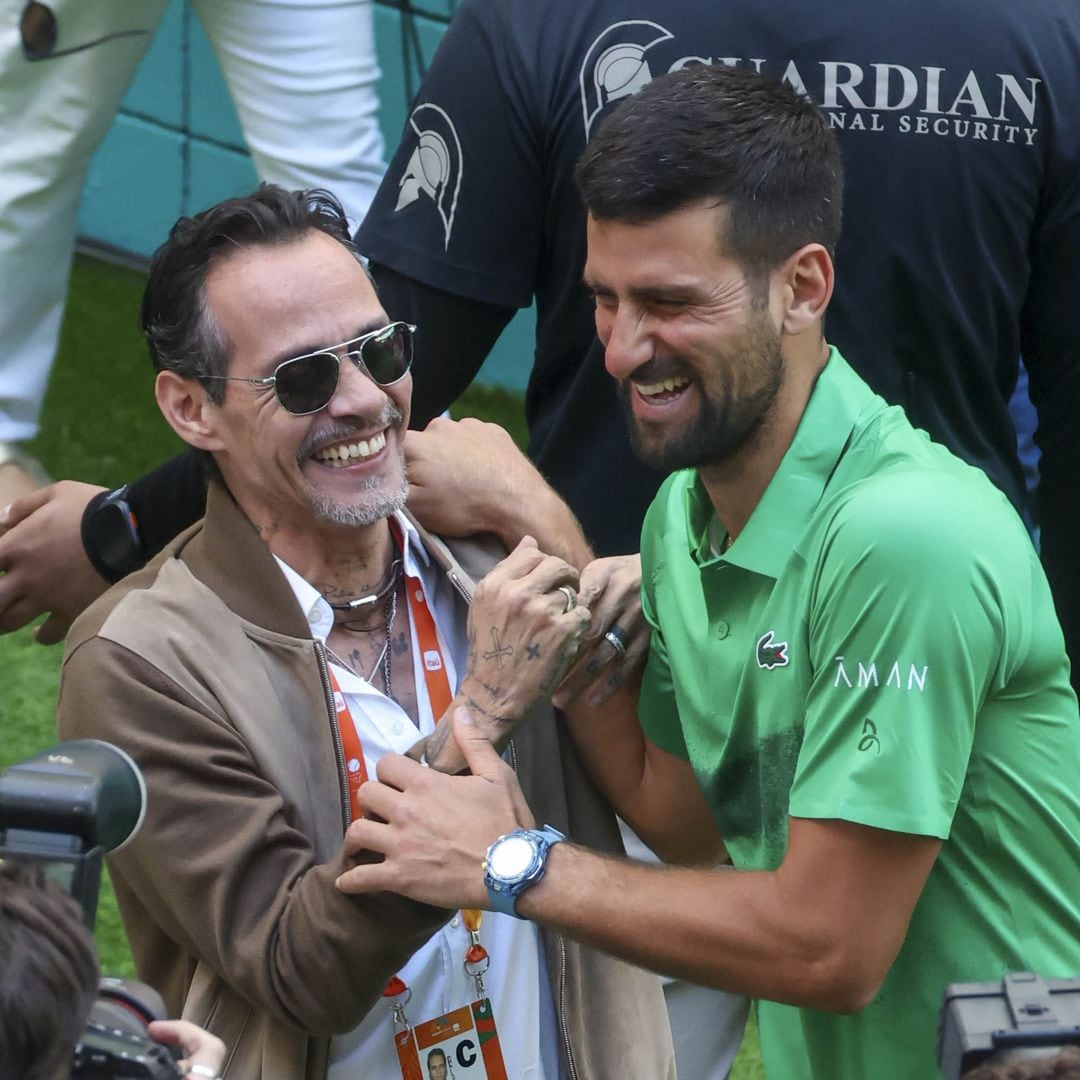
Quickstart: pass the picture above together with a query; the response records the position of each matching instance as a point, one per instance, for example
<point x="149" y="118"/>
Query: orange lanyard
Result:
<point x="438" y="685"/>
<point x="355" y="769"/>
<point x="435" y="679"/>
<point x="439" y="698"/>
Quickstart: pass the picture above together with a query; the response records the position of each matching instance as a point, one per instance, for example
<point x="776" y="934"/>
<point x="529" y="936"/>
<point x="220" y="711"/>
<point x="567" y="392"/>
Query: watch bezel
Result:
<point x="504" y="889"/>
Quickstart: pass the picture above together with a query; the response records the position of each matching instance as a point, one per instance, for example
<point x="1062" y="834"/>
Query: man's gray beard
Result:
<point x="367" y="512"/>
<point x="349" y="514"/>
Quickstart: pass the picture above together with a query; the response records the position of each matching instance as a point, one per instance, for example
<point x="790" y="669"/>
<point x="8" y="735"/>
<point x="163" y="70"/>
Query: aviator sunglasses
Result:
<point x="305" y="384"/>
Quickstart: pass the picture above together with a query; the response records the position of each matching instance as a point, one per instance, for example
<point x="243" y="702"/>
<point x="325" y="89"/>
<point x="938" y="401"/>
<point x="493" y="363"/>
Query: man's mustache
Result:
<point x="337" y="430"/>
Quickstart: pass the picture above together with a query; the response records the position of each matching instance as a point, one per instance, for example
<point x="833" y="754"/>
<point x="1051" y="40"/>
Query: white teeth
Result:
<point x="345" y="452"/>
<point x="667" y="386"/>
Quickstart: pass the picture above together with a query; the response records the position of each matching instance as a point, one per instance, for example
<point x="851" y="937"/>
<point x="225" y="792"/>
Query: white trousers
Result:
<point x="302" y="74"/>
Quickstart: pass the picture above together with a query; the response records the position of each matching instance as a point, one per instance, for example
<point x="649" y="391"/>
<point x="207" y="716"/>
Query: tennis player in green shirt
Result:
<point x="856" y="686"/>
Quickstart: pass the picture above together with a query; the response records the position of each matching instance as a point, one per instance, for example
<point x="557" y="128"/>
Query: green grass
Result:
<point x="100" y="424"/>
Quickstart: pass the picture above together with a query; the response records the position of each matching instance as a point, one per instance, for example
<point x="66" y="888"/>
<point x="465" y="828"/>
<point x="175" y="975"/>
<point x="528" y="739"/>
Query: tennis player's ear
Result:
<point x="188" y="410"/>
<point x="808" y="276"/>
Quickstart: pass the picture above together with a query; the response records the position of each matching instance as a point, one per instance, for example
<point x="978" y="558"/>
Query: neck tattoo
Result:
<point x="372" y="598"/>
<point x="384" y="656"/>
<point x="390" y="592"/>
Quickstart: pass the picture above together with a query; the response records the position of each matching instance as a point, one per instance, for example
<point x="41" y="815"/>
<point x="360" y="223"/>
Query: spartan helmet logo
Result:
<point x="434" y="168"/>
<point x="615" y="65"/>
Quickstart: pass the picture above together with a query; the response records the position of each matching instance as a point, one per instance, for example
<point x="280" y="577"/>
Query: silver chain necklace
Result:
<point x="390" y="612"/>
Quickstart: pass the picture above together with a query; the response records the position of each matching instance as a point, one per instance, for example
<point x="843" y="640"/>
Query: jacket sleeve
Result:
<point x="219" y="868"/>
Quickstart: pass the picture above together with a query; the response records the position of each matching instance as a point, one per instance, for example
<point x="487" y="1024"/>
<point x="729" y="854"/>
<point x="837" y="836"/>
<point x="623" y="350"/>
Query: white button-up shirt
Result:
<point x="516" y="980"/>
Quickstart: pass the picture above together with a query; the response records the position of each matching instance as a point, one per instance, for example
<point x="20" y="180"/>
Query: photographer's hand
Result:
<point x="204" y="1054"/>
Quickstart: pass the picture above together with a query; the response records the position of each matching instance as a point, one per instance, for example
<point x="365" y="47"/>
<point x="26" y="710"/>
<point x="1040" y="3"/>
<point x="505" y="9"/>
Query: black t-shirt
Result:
<point x="961" y="244"/>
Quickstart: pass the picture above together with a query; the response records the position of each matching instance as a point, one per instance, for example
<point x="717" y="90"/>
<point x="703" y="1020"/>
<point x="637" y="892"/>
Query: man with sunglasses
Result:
<point x="263" y="663"/>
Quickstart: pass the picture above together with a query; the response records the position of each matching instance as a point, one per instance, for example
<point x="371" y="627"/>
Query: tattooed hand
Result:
<point x="523" y="637"/>
<point x="611" y="589"/>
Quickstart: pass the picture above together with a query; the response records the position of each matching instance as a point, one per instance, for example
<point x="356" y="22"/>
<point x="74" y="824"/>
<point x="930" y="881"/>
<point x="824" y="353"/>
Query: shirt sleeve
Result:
<point x="453" y="338"/>
<point x="1050" y="345"/>
<point x="915" y="620"/>
<point x="219" y="866"/>
<point x="168" y="499"/>
<point x="461" y="207"/>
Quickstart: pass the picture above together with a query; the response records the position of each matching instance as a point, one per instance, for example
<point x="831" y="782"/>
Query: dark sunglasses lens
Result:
<point x="388" y="356"/>
<point x="306" y="384"/>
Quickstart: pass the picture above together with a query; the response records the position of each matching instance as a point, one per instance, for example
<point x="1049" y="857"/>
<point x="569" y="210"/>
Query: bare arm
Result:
<point x="654" y="792"/>
<point x="804" y="935"/>
<point x="467" y="476"/>
<point x="821" y="931"/>
<point x="44" y="564"/>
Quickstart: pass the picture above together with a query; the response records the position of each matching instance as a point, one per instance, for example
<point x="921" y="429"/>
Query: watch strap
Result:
<point x="504" y="895"/>
<point x="131" y="557"/>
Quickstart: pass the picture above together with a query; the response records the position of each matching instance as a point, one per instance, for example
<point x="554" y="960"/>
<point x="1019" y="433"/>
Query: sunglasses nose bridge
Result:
<point x="349" y="387"/>
<point x="356" y="356"/>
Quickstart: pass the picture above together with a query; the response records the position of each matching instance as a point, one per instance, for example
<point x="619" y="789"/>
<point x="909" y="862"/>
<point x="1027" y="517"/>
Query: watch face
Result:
<point x="512" y="858"/>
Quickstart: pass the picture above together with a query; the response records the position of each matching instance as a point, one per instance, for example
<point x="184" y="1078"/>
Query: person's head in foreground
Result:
<point x="48" y="975"/>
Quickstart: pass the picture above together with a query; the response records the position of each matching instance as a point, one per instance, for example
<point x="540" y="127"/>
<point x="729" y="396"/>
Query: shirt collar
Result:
<point x="319" y="614"/>
<point x="764" y="546"/>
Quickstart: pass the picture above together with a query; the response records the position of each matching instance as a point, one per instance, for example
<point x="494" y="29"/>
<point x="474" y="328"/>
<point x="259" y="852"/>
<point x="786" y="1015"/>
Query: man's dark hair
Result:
<point x="48" y="974"/>
<point x="179" y="328"/>
<point x="719" y="133"/>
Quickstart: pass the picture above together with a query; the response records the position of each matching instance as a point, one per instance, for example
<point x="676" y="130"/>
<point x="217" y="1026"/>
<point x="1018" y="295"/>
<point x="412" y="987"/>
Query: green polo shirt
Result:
<point x="879" y="646"/>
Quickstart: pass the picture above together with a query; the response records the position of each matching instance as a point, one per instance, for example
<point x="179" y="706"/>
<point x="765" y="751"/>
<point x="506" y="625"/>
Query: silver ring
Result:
<point x="571" y="598"/>
<point x="616" y="638"/>
<point x="203" y="1070"/>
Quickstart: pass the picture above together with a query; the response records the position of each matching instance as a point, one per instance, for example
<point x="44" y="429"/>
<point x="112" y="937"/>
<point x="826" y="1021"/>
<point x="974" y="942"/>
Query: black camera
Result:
<point x="65" y="809"/>
<point x="1021" y="1013"/>
<point x="115" y="1045"/>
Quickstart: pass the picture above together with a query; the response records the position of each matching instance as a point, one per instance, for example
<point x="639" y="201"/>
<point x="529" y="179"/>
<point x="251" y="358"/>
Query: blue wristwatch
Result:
<point x="514" y="862"/>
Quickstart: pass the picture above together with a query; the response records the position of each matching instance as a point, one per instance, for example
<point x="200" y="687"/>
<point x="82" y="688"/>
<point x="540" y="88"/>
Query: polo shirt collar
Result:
<point x="779" y="519"/>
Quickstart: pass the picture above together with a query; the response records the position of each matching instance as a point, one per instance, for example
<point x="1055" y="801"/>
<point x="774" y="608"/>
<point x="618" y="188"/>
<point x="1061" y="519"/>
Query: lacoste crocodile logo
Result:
<point x="770" y="653"/>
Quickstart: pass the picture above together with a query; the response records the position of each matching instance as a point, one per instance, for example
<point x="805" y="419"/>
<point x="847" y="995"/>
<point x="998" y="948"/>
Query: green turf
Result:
<point x="100" y="424"/>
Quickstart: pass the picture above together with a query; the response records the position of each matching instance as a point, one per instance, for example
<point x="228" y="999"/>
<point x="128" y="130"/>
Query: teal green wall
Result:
<point x="177" y="147"/>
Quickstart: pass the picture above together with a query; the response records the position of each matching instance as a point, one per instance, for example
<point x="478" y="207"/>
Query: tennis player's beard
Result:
<point x="727" y="417"/>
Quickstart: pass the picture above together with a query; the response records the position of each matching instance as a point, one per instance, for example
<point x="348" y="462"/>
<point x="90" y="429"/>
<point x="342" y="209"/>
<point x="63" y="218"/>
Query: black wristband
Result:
<point x="110" y="535"/>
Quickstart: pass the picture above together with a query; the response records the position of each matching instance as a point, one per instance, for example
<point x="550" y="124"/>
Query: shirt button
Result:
<point x="722" y="629"/>
<point x="398" y="729"/>
<point x="455" y="921"/>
